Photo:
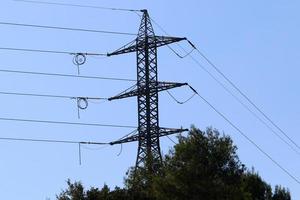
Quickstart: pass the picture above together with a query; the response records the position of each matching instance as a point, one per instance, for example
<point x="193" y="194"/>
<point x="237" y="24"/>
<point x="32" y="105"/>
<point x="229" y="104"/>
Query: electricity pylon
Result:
<point x="146" y="90"/>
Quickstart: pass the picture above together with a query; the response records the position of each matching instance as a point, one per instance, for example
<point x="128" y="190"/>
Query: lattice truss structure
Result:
<point x="146" y="90"/>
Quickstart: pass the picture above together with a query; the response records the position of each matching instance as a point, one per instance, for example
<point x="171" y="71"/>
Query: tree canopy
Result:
<point x="203" y="165"/>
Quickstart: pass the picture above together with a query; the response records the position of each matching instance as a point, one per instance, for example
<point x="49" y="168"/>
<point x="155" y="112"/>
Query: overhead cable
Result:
<point x="239" y="100"/>
<point x="171" y="140"/>
<point x="66" y="75"/>
<point x="66" y="28"/>
<point x="180" y="102"/>
<point x="79" y="5"/>
<point x="65" y="123"/>
<point x="248" y="99"/>
<point x="249" y="139"/>
<point x="245" y="105"/>
<point x="49" y="51"/>
<point x="50" y="96"/>
<point x="51" y="141"/>
<point x="177" y="54"/>
<point x="54" y="141"/>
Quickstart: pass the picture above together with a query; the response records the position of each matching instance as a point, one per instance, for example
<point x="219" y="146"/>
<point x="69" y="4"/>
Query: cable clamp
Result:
<point x="82" y="103"/>
<point x="193" y="89"/>
<point x="79" y="59"/>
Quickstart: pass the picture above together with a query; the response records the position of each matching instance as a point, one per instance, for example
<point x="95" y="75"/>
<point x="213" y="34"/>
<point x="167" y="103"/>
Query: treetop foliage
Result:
<point x="203" y="165"/>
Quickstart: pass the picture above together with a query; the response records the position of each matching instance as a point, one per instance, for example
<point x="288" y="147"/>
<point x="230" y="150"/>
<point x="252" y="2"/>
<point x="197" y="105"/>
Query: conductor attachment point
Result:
<point x="79" y="59"/>
<point x="82" y="103"/>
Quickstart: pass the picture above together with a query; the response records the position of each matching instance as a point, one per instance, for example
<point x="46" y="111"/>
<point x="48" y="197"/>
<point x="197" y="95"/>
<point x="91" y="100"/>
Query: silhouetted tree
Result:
<point x="281" y="193"/>
<point x="255" y="187"/>
<point x="203" y="165"/>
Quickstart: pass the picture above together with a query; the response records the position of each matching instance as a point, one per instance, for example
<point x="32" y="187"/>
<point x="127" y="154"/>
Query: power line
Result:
<point x="79" y="5"/>
<point x="49" y="95"/>
<point x="171" y="140"/>
<point x="94" y="148"/>
<point x="66" y="28"/>
<point x="180" y="102"/>
<point x="177" y="54"/>
<point x="65" y="75"/>
<point x="226" y="119"/>
<point x="51" y="141"/>
<point x="65" y="123"/>
<point x="55" y="141"/>
<point x="244" y="105"/>
<point x="248" y="99"/>
<point x="249" y="139"/>
<point x="49" y="51"/>
<point x="234" y="96"/>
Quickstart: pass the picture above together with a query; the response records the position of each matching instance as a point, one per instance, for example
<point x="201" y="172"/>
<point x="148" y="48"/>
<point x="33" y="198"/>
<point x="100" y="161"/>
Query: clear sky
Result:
<point x="255" y="43"/>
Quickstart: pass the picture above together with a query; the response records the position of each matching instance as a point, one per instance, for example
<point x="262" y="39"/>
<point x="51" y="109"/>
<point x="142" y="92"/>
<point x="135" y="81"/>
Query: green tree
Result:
<point x="203" y="165"/>
<point x="281" y="193"/>
<point x="75" y="191"/>
<point x="255" y="187"/>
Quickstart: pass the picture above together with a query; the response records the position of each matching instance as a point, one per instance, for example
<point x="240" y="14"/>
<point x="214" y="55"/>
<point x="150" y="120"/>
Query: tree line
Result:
<point x="203" y="165"/>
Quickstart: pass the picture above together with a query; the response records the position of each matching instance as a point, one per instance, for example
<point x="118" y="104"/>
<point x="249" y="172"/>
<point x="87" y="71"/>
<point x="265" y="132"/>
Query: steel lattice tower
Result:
<point x="146" y="90"/>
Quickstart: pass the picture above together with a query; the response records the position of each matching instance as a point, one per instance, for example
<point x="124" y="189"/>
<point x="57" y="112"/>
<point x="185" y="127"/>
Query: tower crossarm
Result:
<point x="128" y="48"/>
<point x="162" y="132"/>
<point x="165" y="40"/>
<point x="156" y="87"/>
<point x="132" y="138"/>
<point x="170" y="131"/>
<point x="156" y="41"/>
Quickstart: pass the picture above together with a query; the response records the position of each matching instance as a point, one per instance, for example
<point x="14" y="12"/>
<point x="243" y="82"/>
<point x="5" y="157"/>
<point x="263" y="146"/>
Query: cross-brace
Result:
<point x="146" y="91"/>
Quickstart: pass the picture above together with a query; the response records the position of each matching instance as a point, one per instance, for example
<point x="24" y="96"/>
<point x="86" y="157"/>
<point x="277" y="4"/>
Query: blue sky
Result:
<point x="255" y="43"/>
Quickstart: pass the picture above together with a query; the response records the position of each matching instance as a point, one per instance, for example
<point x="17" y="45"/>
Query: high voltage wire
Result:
<point x="65" y="75"/>
<point x="245" y="106"/>
<point x="249" y="139"/>
<point x="65" y="123"/>
<point x="66" y="28"/>
<point x="188" y="54"/>
<point x="235" y="97"/>
<point x="51" y="141"/>
<point x="248" y="99"/>
<point x="180" y="102"/>
<point x="226" y="119"/>
<point x="171" y="140"/>
<point x="16" y="139"/>
<point x="49" y="51"/>
<point x="79" y="5"/>
<point x="54" y="141"/>
<point x="49" y="96"/>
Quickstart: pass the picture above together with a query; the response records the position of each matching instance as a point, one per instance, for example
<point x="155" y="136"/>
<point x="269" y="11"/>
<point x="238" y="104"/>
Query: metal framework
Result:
<point x="146" y="90"/>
